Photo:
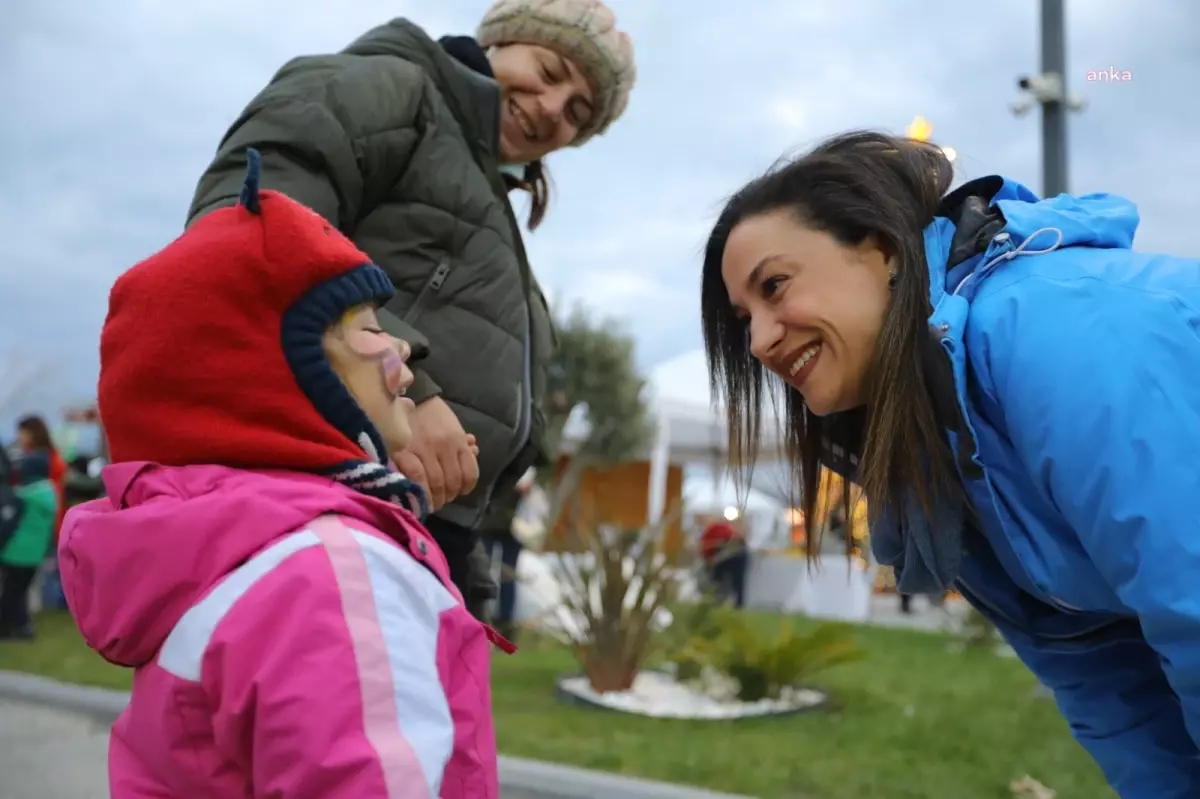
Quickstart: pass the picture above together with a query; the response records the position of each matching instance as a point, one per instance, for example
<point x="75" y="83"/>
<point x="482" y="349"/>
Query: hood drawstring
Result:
<point x="1008" y="255"/>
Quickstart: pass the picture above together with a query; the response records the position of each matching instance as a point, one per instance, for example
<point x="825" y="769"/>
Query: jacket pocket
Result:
<point x="432" y="286"/>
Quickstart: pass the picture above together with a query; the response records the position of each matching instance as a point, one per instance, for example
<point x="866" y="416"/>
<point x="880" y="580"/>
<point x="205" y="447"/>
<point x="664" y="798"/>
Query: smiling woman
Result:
<point x="955" y="354"/>
<point x="557" y="88"/>
<point x="546" y="101"/>
<point x="468" y="119"/>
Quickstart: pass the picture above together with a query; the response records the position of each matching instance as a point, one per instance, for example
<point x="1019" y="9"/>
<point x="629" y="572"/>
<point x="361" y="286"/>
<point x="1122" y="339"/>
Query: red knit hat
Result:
<point x="211" y="352"/>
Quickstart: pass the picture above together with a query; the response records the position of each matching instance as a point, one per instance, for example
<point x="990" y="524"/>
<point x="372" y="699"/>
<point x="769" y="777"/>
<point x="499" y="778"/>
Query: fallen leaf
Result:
<point x="1029" y="788"/>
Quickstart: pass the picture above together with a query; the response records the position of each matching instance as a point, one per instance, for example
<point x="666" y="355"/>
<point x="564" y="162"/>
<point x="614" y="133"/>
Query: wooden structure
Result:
<point x="619" y="496"/>
<point x="688" y="430"/>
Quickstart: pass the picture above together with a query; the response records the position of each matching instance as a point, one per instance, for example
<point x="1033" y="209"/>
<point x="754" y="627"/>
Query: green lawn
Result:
<point x="913" y="722"/>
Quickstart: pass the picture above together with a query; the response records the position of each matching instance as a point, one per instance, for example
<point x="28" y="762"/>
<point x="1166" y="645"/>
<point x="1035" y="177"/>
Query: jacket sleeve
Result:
<point x="311" y="125"/>
<point x="324" y="676"/>
<point x="1100" y="391"/>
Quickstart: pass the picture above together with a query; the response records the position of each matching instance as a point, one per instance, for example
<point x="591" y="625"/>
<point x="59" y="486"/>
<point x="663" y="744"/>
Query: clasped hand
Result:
<point x="442" y="458"/>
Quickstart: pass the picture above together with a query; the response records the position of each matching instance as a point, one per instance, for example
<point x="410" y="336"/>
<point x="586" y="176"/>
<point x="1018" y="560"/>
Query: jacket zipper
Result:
<point x="525" y="412"/>
<point x="434" y="284"/>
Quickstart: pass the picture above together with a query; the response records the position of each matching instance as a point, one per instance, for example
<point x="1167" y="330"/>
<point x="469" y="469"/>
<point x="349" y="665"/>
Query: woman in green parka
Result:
<point x="410" y="146"/>
<point x="28" y="546"/>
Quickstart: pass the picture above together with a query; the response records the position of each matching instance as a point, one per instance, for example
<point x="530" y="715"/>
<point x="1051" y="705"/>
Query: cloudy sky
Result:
<point x="112" y="110"/>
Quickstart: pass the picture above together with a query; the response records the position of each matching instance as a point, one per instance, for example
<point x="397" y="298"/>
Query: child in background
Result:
<point x="29" y="545"/>
<point x="292" y="625"/>
<point x="33" y="435"/>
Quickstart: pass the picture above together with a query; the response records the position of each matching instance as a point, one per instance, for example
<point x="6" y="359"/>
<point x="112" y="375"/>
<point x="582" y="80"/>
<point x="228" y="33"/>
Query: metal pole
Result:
<point x="1054" y="113"/>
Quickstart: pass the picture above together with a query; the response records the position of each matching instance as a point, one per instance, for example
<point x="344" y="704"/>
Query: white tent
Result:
<point x="691" y="430"/>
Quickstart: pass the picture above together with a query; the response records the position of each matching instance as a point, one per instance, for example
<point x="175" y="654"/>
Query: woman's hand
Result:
<point x="442" y="457"/>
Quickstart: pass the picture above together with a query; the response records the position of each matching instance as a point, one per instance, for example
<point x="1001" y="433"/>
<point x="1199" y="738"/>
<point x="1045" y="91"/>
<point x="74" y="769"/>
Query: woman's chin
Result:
<point x="818" y="402"/>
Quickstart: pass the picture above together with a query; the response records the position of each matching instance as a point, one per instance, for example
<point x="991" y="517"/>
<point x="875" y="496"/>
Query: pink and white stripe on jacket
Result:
<point x="290" y="638"/>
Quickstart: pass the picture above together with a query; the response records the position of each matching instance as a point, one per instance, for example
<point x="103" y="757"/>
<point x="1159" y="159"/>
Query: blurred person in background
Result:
<point x="1015" y="389"/>
<point x="726" y="558"/>
<point x="9" y="504"/>
<point x="33" y="435"/>
<point x="29" y="544"/>
<point x="508" y="528"/>
<point x="410" y="147"/>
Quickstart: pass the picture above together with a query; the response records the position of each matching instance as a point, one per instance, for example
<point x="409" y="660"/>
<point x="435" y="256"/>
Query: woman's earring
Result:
<point x="892" y="279"/>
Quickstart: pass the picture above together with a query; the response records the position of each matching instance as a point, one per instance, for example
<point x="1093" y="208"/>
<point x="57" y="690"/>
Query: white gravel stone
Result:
<point x="659" y="695"/>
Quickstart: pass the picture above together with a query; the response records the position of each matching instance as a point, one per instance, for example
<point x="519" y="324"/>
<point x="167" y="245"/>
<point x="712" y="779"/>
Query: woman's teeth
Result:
<point x="805" y="357"/>
<point x="522" y="121"/>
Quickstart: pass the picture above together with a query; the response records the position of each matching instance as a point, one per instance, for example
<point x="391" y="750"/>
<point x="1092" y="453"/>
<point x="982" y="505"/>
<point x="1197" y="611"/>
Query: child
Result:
<point x="33" y="435"/>
<point x="292" y="625"/>
<point x="28" y="545"/>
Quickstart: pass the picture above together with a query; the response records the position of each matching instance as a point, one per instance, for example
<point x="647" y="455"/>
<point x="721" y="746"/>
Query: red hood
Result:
<point x="134" y="562"/>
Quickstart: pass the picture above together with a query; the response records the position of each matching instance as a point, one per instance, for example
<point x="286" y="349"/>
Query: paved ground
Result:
<point x="48" y="754"/>
<point x="885" y="611"/>
<point x="52" y="754"/>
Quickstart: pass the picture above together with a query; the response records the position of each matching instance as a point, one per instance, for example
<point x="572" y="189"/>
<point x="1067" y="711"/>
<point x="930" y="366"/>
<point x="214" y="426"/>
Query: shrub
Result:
<point x="615" y="596"/>
<point x="687" y="642"/>
<point x="765" y="665"/>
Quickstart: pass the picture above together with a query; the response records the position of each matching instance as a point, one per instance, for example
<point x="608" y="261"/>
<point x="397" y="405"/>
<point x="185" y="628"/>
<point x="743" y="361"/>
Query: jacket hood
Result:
<point x="33" y="466"/>
<point x="974" y="217"/>
<point x="979" y="226"/>
<point x="134" y="562"/>
<point x="403" y="39"/>
<point x="474" y="98"/>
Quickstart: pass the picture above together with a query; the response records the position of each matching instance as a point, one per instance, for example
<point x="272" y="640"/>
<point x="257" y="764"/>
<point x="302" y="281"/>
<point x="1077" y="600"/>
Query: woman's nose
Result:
<point x="764" y="336"/>
<point x="553" y="105"/>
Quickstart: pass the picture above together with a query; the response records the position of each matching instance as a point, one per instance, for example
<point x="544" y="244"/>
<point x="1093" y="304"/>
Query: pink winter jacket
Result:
<point x="292" y="639"/>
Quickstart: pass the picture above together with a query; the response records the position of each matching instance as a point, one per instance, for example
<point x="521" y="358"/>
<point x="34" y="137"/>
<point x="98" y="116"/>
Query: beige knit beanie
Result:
<point x="584" y="31"/>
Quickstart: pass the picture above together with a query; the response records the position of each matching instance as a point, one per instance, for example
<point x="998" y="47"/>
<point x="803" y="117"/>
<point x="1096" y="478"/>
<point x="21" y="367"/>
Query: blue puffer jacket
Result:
<point x="1077" y="367"/>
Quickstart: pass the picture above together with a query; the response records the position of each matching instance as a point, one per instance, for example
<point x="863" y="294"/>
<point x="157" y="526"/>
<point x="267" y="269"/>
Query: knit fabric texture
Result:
<point x="584" y="31"/>
<point x="212" y="349"/>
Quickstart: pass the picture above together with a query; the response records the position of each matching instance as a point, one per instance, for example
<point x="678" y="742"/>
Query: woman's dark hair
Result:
<point x="853" y="187"/>
<point x="536" y="181"/>
<point x="36" y="428"/>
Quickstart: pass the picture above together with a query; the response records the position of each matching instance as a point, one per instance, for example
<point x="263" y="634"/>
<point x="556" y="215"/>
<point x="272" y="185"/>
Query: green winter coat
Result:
<point x="31" y="541"/>
<point x="396" y="142"/>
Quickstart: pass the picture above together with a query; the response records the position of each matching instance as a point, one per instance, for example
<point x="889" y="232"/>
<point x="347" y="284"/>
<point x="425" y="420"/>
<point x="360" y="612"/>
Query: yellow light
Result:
<point x="919" y="129"/>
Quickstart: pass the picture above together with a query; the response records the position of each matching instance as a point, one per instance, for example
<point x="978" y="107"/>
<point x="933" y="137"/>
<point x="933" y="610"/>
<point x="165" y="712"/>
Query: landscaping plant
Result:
<point x="616" y="592"/>
<point x="765" y="665"/>
<point x="687" y="644"/>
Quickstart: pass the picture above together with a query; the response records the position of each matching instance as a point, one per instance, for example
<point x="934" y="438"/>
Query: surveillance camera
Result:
<point x="1043" y="88"/>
